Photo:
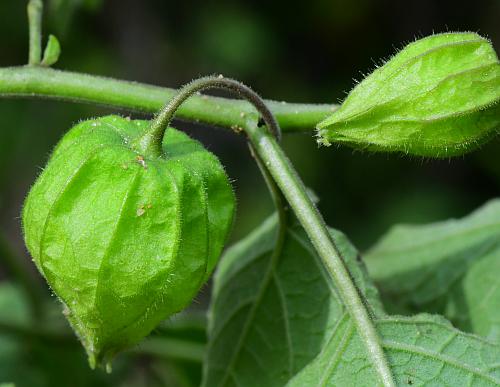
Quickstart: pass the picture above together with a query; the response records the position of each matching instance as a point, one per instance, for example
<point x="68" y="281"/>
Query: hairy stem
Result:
<point x="295" y="192"/>
<point x="35" y="10"/>
<point x="151" y="141"/>
<point x="40" y="82"/>
<point x="271" y="156"/>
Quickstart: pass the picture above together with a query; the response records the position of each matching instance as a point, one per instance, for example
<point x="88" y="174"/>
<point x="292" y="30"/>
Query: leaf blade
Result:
<point x="422" y="350"/>
<point x="301" y="335"/>
<point x="446" y="267"/>
<point x="294" y="292"/>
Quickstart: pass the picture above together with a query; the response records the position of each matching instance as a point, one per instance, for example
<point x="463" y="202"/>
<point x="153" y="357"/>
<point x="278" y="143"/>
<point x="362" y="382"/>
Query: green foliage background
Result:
<point x="298" y="52"/>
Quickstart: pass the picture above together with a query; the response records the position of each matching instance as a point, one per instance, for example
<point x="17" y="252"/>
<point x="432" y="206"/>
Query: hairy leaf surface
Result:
<point x="272" y="318"/>
<point x="276" y="323"/>
<point x="438" y="97"/>
<point x="422" y="350"/>
<point x="126" y="238"/>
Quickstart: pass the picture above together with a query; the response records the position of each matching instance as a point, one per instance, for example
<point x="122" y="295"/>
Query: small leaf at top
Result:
<point x="437" y="97"/>
<point x="52" y="52"/>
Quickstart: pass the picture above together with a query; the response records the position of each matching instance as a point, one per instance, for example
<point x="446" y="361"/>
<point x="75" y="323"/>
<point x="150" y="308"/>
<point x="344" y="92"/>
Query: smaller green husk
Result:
<point x="438" y="97"/>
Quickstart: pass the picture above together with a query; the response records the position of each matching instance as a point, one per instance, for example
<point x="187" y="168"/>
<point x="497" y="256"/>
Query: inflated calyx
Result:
<point x="125" y="239"/>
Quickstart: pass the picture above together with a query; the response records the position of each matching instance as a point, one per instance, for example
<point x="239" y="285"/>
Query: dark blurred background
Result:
<point x="294" y="51"/>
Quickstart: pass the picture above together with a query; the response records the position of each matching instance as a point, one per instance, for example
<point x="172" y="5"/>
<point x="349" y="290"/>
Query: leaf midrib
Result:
<point x="275" y="255"/>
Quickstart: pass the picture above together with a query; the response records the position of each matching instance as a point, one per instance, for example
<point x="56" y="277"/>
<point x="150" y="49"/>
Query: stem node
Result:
<point x="269" y="155"/>
<point x="150" y="142"/>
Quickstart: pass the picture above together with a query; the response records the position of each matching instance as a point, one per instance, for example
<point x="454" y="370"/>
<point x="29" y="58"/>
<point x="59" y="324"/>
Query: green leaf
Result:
<point x="438" y="97"/>
<point x="478" y="299"/>
<point x="448" y="267"/>
<point x="282" y="323"/>
<point x="269" y="319"/>
<point x="52" y="52"/>
<point x="423" y="351"/>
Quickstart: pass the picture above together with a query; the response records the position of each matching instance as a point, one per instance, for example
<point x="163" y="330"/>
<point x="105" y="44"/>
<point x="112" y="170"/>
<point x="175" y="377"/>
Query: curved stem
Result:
<point x="270" y="154"/>
<point x="35" y="10"/>
<point x="151" y="141"/>
<point x="42" y="82"/>
<point x="276" y="194"/>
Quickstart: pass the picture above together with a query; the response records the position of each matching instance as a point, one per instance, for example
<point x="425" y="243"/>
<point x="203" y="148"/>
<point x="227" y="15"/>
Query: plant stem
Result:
<point x="295" y="192"/>
<point x="271" y="156"/>
<point x="35" y="10"/>
<point x="40" y="82"/>
<point x="151" y="141"/>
